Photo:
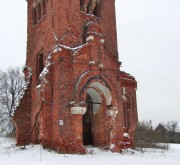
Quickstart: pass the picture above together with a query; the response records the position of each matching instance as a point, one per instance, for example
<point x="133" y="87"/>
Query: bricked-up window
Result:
<point x="34" y="16"/>
<point x="39" y="66"/>
<point x="39" y="11"/>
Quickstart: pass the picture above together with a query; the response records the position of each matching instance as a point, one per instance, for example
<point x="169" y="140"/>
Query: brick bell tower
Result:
<point x="75" y="94"/>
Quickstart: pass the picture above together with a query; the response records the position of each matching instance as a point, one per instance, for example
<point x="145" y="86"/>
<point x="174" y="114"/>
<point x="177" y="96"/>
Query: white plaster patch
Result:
<point x="78" y="110"/>
<point x="112" y="112"/>
<point x="61" y="122"/>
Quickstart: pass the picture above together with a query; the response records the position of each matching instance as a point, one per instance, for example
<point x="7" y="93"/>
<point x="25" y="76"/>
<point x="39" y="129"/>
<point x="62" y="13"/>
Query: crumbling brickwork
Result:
<point x="77" y="94"/>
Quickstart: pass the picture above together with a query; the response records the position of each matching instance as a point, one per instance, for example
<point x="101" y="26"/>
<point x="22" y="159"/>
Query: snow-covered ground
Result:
<point x="35" y="155"/>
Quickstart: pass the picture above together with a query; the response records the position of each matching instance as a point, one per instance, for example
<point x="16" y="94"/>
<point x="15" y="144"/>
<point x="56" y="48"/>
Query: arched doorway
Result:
<point x="93" y="100"/>
<point x="97" y="98"/>
<point x="88" y="124"/>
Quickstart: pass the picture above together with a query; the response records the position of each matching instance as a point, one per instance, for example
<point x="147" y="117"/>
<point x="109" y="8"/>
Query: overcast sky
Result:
<point x="149" y="47"/>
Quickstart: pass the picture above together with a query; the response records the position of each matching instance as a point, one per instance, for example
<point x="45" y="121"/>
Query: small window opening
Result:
<point x="52" y="21"/>
<point x="44" y="7"/>
<point x="89" y="8"/>
<point x="127" y="114"/>
<point x="81" y="5"/>
<point x="39" y="67"/>
<point x="96" y="11"/>
<point x="34" y="16"/>
<point x="39" y="11"/>
<point x="94" y="8"/>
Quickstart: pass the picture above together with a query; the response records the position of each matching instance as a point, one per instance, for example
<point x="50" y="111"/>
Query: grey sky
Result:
<point x="149" y="38"/>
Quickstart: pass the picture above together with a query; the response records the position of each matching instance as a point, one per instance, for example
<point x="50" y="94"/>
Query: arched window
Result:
<point x="97" y="10"/>
<point x="81" y="5"/>
<point x="39" y="11"/>
<point x="44" y="6"/>
<point x="34" y="14"/>
<point x="39" y="66"/>
<point x="89" y="8"/>
<point x="94" y="7"/>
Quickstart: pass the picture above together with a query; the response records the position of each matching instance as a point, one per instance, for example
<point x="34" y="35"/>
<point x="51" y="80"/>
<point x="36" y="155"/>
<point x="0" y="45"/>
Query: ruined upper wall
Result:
<point x="66" y="20"/>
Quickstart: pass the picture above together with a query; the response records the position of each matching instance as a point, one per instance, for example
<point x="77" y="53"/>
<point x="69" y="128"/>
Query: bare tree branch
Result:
<point x="11" y="86"/>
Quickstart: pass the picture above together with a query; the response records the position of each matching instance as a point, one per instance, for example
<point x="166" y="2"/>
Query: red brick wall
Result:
<point x="22" y="118"/>
<point x="70" y="73"/>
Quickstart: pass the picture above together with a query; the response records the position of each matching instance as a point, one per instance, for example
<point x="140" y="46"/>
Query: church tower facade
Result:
<point x="75" y="93"/>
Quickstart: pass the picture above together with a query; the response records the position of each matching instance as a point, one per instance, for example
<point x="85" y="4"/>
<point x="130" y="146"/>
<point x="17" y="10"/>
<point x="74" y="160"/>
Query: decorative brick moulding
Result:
<point x="75" y="95"/>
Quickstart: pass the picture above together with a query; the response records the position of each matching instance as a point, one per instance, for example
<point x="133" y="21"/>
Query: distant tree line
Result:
<point x="146" y="136"/>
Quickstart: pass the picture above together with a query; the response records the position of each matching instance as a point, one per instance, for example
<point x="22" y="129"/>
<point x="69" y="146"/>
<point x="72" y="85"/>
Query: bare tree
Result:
<point x="144" y="135"/>
<point x="172" y="127"/>
<point x="148" y="137"/>
<point x="11" y="85"/>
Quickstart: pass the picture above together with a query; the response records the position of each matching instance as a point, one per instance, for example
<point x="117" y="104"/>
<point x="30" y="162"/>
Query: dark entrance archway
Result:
<point x="97" y="98"/>
<point x="88" y="125"/>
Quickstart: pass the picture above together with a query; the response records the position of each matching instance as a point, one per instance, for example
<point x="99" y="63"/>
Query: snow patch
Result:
<point x="36" y="155"/>
<point x="125" y="134"/>
<point x="90" y="38"/>
<point x="112" y="146"/>
<point x="92" y="62"/>
<point x="102" y="41"/>
<point x="72" y="102"/>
